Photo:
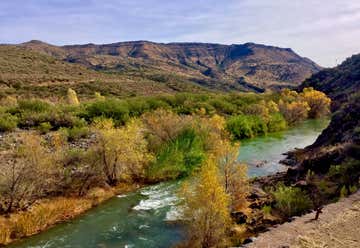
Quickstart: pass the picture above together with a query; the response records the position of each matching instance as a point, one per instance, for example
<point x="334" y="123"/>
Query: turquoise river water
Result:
<point x="145" y="218"/>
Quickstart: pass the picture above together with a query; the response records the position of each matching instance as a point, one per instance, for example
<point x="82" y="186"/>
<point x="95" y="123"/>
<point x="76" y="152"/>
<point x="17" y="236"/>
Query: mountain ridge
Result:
<point x="245" y="67"/>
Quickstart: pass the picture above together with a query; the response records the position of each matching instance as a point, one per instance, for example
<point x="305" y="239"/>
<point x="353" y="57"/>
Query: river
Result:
<point x="143" y="218"/>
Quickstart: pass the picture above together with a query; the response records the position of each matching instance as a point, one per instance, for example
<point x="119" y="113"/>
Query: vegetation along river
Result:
<point x="143" y="218"/>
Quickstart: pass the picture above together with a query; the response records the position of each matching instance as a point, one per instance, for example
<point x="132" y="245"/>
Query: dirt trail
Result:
<point x="338" y="226"/>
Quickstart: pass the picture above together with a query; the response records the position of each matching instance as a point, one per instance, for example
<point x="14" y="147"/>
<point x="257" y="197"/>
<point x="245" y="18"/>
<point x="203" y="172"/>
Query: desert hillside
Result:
<point x="246" y="67"/>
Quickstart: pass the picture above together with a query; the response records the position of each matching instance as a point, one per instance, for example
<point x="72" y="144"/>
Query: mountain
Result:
<point x="245" y="67"/>
<point x="339" y="143"/>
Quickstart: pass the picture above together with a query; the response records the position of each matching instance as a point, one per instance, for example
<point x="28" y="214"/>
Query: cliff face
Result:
<point x="340" y="141"/>
<point x="248" y="67"/>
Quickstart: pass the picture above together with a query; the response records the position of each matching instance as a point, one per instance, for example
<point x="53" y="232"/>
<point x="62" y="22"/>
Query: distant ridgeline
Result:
<point x="142" y="68"/>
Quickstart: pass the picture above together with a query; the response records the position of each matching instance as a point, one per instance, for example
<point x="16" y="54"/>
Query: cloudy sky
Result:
<point x="327" y="31"/>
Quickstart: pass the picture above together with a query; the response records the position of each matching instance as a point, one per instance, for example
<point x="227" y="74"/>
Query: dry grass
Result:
<point x="48" y="212"/>
<point x="42" y="215"/>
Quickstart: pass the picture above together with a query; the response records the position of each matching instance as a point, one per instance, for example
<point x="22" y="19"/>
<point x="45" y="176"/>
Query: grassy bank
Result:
<point x="50" y="211"/>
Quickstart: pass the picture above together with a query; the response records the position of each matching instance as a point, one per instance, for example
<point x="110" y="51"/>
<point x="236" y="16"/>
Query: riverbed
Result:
<point x="145" y="218"/>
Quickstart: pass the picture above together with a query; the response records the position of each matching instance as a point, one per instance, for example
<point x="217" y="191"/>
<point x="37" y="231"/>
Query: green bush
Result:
<point x="155" y="103"/>
<point x="239" y="127"/>
<point x="75" y="133"/>
<point x="8" y="122"/>
<point x="33" y="106"/>
<point x="246" y="126"/>
<point x="32" y="119"/>
<point x="222" y="106"/>
<point x="348" y="173"/>
<point x="291" y="200"/>
<point x="137" y="106"/>
<point x="276" y="123"/>
<point x="178" y="158"/>
<point x="44" y="127"/>
<point x="117" y="110"/>
<point x="266" y="209"/>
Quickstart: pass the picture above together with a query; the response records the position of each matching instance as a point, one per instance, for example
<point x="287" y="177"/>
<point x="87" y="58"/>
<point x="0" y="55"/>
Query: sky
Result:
<point x="326" y="31"/>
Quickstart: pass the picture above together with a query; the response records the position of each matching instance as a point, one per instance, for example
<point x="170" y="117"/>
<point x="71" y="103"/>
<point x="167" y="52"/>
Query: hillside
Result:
<point x="339" y="143"/>
<point x="29" y="73"/>
<point x="246" y="67"/>
<point x="339" y="82"/>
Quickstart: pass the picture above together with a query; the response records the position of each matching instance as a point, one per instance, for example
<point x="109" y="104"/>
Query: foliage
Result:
<point x="343" y="192"/>
<point x="163" y="126"/>
<point x="276" y="123"/>
<point x="8" y="122"/>
<point x="75" y="133"/>
<point x="234" y="176"/>
<point x="178" y="158"/>
<point x="266" y="209"/>
<point x="8" y="101"/>
<point x="33" y="105"/>
<point x="206" y="208"/>
<point x="291" y="200"/>
<point x="246" y="126"/>
<point x="24" y="180"/>
<point x="121" y="152"/>
<point x="72" y="98"/>
<point x="172" y="137"/>
<point x="318" y="102"/>
<point x="212" y="132"/>
<point x="40" y="216"/>
<point x="346" y="174"/>
<point x="111" y="108"/>
<point x="294" y="112"/>
<point x="259" y="109"/>
<point x="272" y="107"/>
<point x="44" y="127"/>
<point x="98" y="96"/>
<point x="309" y="103"/>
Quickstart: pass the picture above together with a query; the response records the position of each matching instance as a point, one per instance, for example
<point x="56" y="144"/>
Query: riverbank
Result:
<point x="51" y="211"/>
<point x="140" y="218"/>
<point x="337" y="226"/>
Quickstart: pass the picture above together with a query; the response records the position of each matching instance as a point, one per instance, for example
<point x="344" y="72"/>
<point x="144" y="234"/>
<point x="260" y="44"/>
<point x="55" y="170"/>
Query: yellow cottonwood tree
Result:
<point x="207" y="208"/>
<point x="318" y="102"/>
<point x="122" y="151"/>
<point x="272" y="107"/>
<point x="234" y="176"/>
<point x="294" y="111"/>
